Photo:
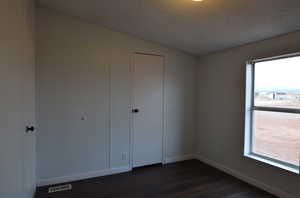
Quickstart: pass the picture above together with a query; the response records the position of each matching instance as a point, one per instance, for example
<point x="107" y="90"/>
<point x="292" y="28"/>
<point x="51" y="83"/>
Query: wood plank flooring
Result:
<point x="188" y="179"/>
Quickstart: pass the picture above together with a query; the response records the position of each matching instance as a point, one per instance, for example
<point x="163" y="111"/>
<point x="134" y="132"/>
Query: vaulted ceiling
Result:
<point x="195" y="27"/>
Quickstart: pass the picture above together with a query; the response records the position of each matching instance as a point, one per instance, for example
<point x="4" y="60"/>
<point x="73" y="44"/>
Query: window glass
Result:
<point x="277" y="135"/>
<point x="277" y="83"/>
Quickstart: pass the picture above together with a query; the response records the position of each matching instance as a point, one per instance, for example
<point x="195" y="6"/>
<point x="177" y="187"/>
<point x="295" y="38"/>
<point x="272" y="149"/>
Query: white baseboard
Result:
<point x="88" y="175"/>
<point x="92" y="174"/>
<point x="179" y="158"/>
<point x="241" y="176"/>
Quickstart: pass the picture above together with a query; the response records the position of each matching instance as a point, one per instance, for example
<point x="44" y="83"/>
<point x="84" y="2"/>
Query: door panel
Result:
<point x="28" y="101"/>
<point x="11" y="158"/>
<point x="148" y="99"/>
<point x="16" y="101"/>
<point x="11" y="59"/>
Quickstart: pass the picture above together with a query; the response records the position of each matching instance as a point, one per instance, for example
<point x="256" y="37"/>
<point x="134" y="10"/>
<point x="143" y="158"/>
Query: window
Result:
<point x="272" y="121"/>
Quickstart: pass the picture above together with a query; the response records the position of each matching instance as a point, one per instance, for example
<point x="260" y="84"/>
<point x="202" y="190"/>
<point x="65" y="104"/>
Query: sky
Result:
<point x="278" y="74"/>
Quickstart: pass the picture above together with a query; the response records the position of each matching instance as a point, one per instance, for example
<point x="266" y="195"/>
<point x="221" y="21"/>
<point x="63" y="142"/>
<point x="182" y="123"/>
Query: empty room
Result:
<point x="150" y="99"/>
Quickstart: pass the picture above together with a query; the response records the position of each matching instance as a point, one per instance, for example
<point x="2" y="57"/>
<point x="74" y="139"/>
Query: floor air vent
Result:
<point x="60" y="188"/>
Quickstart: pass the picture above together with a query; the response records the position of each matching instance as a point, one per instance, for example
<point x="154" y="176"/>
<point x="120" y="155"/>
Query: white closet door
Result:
<point x="17" y="148"/>
<point x="148" y="110"/>
<point x="28" y="102"/>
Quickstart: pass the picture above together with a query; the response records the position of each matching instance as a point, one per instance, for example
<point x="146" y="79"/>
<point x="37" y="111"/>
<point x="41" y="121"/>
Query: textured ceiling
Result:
<point x="195" y="27"/>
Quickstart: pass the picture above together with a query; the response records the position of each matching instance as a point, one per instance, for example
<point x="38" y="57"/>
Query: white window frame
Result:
<point x="250" y="108"/>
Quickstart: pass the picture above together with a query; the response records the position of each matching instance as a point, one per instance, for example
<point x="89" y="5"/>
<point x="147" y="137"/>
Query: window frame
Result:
<point x="249" y="113"/>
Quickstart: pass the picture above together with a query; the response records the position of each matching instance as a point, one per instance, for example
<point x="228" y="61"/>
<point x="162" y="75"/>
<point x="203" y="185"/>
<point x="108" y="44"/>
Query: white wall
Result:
<point x="17" y="163"/>
<point x="84" y="70"/>
<point x="220" y="102"/>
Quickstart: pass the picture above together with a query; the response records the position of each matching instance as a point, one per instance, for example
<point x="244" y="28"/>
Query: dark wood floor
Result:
<point x="189" y="179"/>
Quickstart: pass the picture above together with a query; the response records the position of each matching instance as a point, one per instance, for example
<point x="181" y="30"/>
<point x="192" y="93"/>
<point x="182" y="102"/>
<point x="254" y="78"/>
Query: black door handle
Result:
<point x="30" y="129"/>
<point x="135" y="110"/>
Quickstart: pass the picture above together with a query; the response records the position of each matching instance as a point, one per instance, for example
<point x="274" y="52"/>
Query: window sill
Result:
<point x="273" y="163"/>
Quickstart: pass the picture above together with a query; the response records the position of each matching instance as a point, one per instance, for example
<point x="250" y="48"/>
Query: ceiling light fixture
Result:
<point x="197" y="0"/>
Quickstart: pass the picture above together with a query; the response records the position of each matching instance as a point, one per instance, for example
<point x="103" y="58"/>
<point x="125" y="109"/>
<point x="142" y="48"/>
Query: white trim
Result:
<point x="164" y="137"/>
<point x="87" y="175"/>
<point x="169" y="160"/>
<point x="276" y="57"/>
<point x="100" y="173"/>
<point x="272" y="162"/>
<point x="248" y="112"/>
<point x="250" y="180"/>
<point x="131" y="128"/>
<point x="110" y="114"/>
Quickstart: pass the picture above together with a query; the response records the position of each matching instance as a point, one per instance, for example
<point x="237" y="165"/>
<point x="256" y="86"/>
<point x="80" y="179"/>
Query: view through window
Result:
<point x="276" y="110"/>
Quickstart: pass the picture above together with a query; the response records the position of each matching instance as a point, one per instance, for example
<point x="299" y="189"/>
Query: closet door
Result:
<point x="28" y="101"/>
<point x="148" y="110"/>
<point x="17" y="164"/>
